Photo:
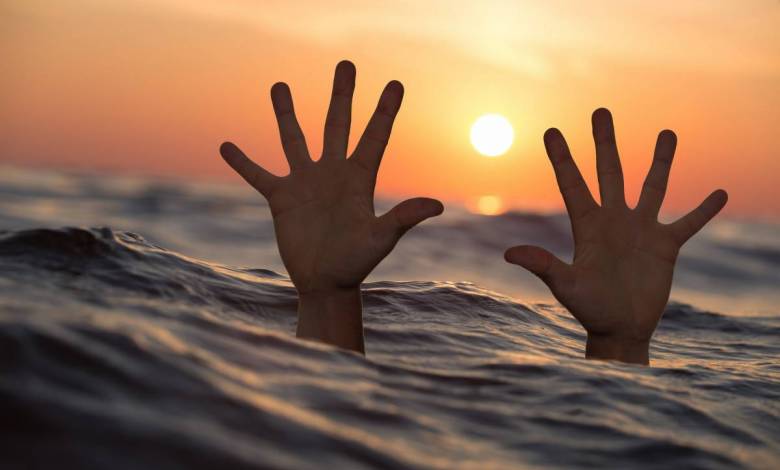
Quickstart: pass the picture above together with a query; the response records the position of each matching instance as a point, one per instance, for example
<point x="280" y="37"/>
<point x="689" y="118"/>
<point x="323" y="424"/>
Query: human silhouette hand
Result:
<point x="619" y="282"/>
<point x="327" y="233"/>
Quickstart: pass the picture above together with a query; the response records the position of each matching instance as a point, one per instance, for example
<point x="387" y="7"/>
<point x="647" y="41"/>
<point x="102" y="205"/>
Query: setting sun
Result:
<point x="492" y="135"/>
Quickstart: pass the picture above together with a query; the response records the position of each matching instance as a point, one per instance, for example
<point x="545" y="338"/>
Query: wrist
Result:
<point x="333" y="316"/>
<point x="624" y="349"/>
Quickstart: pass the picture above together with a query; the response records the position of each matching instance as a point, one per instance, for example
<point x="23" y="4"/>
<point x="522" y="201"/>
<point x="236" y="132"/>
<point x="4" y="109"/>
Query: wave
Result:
<point x="119" y="353"/>
<point x="730" y="267"/>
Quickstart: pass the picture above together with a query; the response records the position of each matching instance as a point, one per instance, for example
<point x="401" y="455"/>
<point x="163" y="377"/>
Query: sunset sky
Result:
<point x="154" y="86"/>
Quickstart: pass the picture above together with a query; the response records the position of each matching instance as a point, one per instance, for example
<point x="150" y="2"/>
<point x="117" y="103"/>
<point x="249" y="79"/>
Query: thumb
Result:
<point x="548" y="267"/>
<point x="409" y="213"/>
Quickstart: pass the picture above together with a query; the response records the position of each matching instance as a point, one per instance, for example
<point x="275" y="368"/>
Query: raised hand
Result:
<point x="619" y="283"/>
<point x="328" y="235"/>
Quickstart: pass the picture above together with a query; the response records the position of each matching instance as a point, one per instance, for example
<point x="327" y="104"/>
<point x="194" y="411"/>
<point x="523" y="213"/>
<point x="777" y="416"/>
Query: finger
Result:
<point x="409" y="213"/>
<point x="340" y="112"/>
<point x="579" y="202"/>
<point x="607" y="160"/>
<point x="293" y="141"/>
<point x="689" y="225"/>
<point x="372" y="143"/>
<point x="654" y="189"/>
<point x="252" y="173"/>
<point x="548" y="267"/>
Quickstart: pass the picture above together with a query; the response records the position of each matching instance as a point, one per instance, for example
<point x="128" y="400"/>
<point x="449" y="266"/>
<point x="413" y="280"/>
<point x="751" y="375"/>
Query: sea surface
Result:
<point x="147" y="323"/>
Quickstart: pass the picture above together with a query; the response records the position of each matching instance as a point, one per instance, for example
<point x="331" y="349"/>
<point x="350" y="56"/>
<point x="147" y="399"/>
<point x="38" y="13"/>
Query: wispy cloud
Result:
<point x="532" y="37"/>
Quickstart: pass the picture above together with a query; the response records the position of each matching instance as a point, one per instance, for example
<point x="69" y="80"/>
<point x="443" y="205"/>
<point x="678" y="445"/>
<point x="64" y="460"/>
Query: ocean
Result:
<point x="149" y="323"/>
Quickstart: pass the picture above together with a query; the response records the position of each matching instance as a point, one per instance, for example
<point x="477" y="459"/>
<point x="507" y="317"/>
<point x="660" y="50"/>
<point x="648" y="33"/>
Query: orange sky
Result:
<point x="154" y="86"/>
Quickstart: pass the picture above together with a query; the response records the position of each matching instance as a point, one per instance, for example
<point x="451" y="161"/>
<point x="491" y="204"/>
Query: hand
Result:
<point x="328" y="236"/>
<point x="619" y="283"/>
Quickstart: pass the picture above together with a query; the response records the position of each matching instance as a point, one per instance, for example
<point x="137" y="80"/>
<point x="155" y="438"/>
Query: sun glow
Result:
<point x="492" y="135"/>
<point x="489" y="205"/>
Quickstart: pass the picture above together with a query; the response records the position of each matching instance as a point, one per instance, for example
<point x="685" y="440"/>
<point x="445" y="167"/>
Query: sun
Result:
<point x="492" y="135"/>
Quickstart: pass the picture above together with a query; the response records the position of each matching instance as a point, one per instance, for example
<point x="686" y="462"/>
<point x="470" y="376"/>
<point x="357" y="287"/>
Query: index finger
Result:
<point x="657" y="179"/>
<point x="293" y="140"/>
<point x="576" y="195"/>
<point x="374" y="140"/>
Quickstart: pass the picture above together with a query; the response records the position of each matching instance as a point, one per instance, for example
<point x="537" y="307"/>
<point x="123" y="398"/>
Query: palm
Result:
<point x="324" y="221"/>
<point x="327" y="233"/>
<point x="621" y="276"/>
<point x="622" y="269"/>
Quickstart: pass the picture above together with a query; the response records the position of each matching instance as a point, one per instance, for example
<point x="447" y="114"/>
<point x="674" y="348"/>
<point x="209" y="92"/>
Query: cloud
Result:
<point x="533" y="37"/>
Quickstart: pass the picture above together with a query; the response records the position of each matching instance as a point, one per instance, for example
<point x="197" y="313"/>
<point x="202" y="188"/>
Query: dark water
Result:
<point x="118" y="352"/>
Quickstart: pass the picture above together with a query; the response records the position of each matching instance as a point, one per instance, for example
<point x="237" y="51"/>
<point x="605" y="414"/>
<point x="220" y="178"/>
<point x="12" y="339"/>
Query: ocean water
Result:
<point x="149" y="324"/>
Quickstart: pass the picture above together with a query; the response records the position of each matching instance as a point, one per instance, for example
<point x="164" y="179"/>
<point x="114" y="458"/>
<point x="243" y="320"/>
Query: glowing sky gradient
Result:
<point x="154" y="86"/>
